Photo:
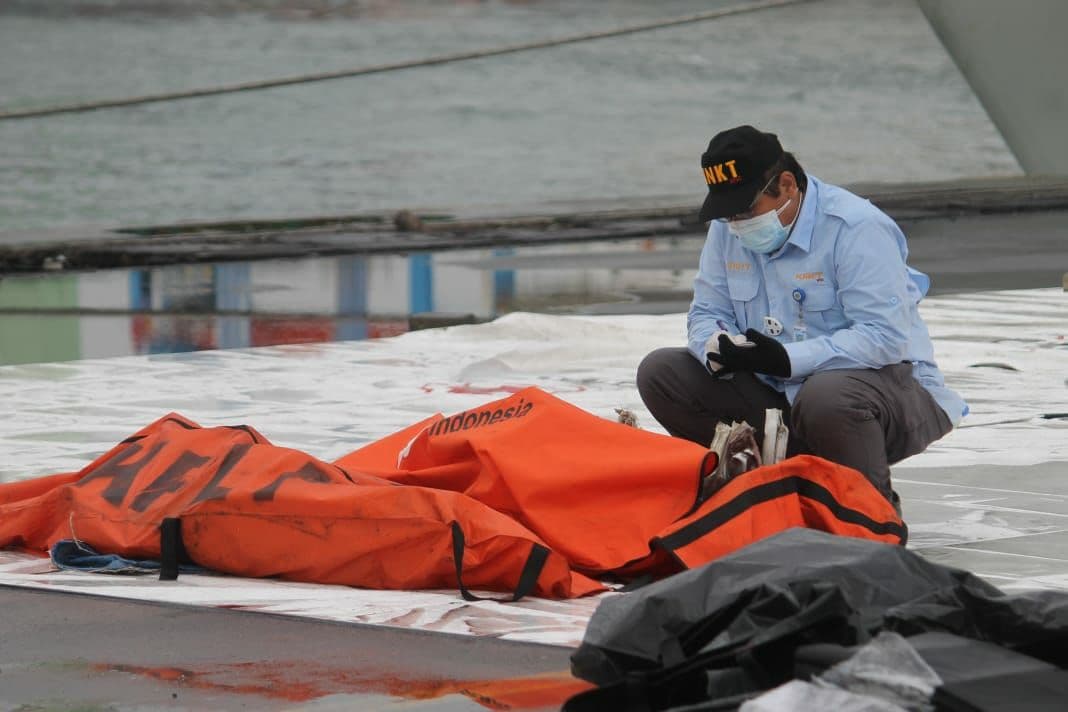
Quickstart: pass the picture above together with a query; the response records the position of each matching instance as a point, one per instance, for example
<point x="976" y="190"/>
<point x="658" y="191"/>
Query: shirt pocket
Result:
<point x="821" y="307"/>
<point x="743" y="290"/>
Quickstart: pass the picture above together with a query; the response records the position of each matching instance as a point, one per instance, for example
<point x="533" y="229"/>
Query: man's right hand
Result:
<point x="712" y="347"/>
<point x="756" y="352"/>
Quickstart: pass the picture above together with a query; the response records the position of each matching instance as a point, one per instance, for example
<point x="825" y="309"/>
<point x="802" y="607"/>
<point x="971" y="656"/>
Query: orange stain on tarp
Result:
<point x="301" y="683"/>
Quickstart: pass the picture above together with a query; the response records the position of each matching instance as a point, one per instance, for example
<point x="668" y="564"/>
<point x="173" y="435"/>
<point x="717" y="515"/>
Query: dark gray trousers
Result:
<point x="866" y="419"/>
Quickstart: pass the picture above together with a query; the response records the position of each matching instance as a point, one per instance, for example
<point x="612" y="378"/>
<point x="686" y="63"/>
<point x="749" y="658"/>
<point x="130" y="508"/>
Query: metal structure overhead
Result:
<point x="1012" y="55"/>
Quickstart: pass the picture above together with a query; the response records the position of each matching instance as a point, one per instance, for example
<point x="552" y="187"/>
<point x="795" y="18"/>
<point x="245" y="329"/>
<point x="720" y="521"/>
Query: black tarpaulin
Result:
<point x="733" y="626"/>
<point x="954" y="658"/>
<point x="1034" y="691"/>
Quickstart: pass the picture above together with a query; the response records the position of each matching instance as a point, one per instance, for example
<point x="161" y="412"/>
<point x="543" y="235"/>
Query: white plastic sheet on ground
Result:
<point x="1006" y="352"/>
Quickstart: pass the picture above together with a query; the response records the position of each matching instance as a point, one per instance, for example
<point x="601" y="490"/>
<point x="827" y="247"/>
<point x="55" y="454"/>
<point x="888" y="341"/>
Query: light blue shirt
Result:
<point x="858" y="305"/>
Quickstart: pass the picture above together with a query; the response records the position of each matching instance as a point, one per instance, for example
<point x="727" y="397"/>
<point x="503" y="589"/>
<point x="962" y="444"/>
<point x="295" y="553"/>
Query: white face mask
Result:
<point x="764" y="233"/>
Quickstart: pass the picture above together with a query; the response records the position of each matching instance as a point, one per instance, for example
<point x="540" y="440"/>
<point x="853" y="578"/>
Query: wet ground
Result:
<point x="65" y="652"/>
<point x="81" y="650"/>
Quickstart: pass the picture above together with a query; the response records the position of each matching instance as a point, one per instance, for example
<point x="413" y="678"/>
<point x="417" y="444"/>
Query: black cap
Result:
<point x="734" y="166"/>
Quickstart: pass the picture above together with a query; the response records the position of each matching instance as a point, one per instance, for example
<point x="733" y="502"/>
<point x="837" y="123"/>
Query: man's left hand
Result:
<point x="759" y="354"/>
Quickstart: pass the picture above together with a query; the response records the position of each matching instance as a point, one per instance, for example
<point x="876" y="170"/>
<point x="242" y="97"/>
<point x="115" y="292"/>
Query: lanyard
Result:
<point x="800" y="330"/>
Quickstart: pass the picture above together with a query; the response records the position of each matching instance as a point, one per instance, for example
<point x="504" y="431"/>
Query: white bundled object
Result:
<point x="796" y="695"/>
<point x="776" y="435"/>
<point x="736" y="447"/>
<point x="888" y="668"/>
<point x="737" y="452"/>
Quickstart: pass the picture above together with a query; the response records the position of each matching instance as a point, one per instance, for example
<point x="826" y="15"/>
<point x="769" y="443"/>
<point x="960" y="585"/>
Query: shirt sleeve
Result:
<point x="873" y="289"/>
<point x="711" y="304"/>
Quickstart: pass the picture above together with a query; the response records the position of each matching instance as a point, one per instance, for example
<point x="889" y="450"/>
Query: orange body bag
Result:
<point x="527" y="494"/>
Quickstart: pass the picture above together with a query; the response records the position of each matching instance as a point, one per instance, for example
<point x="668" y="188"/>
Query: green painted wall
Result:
<point x="31" y="338"/>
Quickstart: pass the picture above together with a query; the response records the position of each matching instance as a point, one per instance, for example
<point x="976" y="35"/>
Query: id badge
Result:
<point x="800" y="332"/>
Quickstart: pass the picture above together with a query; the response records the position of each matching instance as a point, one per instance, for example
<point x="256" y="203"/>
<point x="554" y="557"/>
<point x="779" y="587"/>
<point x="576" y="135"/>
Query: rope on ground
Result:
<point x="380" y="68"/>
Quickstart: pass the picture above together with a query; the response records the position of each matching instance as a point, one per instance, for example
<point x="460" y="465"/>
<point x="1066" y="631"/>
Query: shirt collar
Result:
<point x="801" y="236"/>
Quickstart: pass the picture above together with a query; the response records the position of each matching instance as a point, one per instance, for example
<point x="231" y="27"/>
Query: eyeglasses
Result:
<point x="749" y="211"/>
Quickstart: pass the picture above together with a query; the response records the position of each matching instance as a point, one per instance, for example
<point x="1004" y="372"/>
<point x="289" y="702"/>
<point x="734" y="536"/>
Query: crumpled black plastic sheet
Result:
<point x="729" y="629"/>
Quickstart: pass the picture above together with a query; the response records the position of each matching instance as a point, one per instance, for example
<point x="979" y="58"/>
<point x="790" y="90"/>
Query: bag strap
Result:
<point x="766" y="492"/>
<point x="173" y="552"/>
<point x="528" y="577"/>
<point x="171" y="548"/>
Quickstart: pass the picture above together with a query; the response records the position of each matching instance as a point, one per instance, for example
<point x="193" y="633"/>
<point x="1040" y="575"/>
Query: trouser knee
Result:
<point x="836" y="419"/>
<point x="653" y="372"/>
<point x="816" y="415"/>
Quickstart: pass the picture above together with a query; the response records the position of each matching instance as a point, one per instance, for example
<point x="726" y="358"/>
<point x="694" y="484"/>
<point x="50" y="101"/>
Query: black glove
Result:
<point x="762" y="354"/>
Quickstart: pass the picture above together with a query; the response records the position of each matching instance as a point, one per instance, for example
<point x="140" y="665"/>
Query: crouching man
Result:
<point x="803" y="302"/>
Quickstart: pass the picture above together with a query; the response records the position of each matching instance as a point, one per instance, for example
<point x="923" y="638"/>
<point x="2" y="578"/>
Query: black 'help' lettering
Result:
<point x="172" y="479"/>
<point x="212" y="490"/>
<point x="309" y="473"/>
<point x="121" y="470"/>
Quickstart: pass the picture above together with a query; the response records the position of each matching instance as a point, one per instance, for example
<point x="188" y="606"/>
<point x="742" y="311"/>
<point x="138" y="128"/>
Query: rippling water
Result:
<point x="860" y="89"/>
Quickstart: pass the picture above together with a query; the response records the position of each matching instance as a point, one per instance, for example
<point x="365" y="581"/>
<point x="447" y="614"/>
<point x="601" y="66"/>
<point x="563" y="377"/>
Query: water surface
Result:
<point x="861" y="89"/>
